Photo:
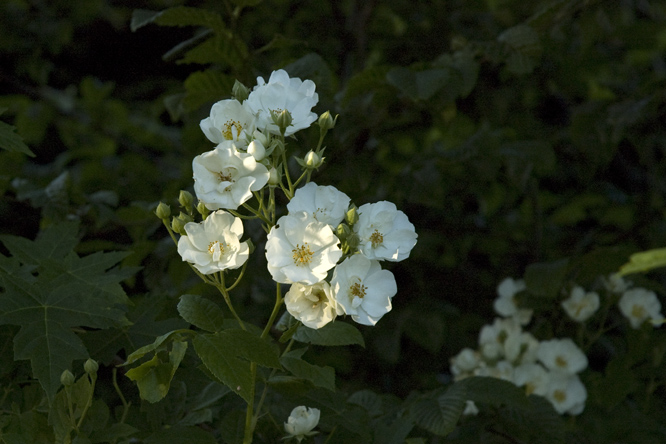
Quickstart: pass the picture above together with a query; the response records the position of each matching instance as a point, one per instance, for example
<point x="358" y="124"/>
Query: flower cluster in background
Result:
<point x="325" y="247"/>
<point x="548" y="368"/>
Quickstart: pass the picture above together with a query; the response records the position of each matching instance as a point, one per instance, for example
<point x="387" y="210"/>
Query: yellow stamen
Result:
<point x="559" y="396"/>
<point x="228" y="127"/>
<point x="357" y="289"/>
<point x="302" y="255"/>
<point x="376" y="238"/>
<point x="561" y="362"/>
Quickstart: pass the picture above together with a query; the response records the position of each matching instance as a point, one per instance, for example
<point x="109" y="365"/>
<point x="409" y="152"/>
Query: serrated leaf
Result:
<point x="218" y="49"/>
<point x="154" y="377"/>
<point x="333" y="333"/>
<point x="319" y="376"/>
<point x="545" y="279"/>
<point x="644" y="261"/>
<point x="201" y="312"/>
<point x="494" y="391"/>
<point x="149" y="348"/>
<point x="11" y="141"/>
<point x="206" y="86"/>
<point x="439" y="412"/>
<point x="142" y="17"/>
<point x="188" y="16"/>
<point x="53" y="243"/>
<point x="221" y="353"/>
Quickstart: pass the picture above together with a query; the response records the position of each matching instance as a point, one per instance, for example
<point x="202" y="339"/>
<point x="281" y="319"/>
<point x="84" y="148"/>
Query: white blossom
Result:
<point x="505" y="304"/>
<point x="301" y="421"/>
<point x="299" y="248"/>
<point x="313" y="305"/>
<point x="465" y="362"/>
<point x="638" y="305"/>
<point x="326" y="203"/>
<point x="501" y="370"/>
<point x="385" y="233"/>
<point x="533" y="377"/>
<point x="581" y="305"/>
<point x="520" y="347"/>
<point x="229" y="120"/>
<point x="283" y="93"/>
<point x="492" y="337"/>
<point x="362" y="289"/>
<point x="562" y="355"/>
<point x="616" y="283"/>
<point x="225" y="177"/>
<point x="213" y="245"/>
<point x="567" y="393"/>
<point x="470" y="408"/>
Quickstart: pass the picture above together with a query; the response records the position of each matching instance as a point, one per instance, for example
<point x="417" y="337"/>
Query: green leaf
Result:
<point x="11" y="141"/>
<point x="206" y="86"/>
<point x="68" y="291"/>
<point x="143" y="17"/>
<point x="494" y="391"/>
<point x="246" y="2"/>
<point x="439" y="412"/>
<point x="218" y="49"/>
<point x="525" y="48"/>
<point x="201" y="312"/>
<point x="178" y="16"/>
<point x="333" y="333"/>
<point x="221" y="353"/>
<point x="157" y="343"/>
<point x="545" y="279"/>
<point x="367" y="81"/>
<point x="181" y="435"/>
<point x="319" y="376"/>
<point x="644" y="261"/>
<point x="154" y="377"/>
<point x="418" y="85"/>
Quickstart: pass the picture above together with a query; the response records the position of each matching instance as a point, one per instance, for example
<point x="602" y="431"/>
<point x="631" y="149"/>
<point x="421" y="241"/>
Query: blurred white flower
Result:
<point x="501" y="370"/>
<point x="505" y="304"/>
<point x="313" y="305"/>
<point x="213" y="245"/>
<point x="301" y="249"/>
<point x="283" y="93"/>
<point x="638" y="305"/>
<point x="326" y="203"/>
<point x="580" y="305"/>
<point x="562" y="355"/>
<point x="616" y="283"/>
<point x="385" y="233"/>
<point x="470" y="408"/>
<point x="229" y="120"/>
<point x="301" y="421"/>
<point x="492" y="337"/>
<point x="533" y="377"/>
<point x="465" y="362"/>
<point x="362" y="289"/>
<point x="520" y="347"/>
<point x="567" y="393"/>
<point x="225" y="177"/>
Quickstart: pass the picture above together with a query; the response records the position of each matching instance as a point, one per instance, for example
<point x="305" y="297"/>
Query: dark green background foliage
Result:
<point x="510" y="132"/>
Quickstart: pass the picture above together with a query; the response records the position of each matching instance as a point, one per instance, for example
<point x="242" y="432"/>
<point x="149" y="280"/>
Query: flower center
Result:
<point x="376" y="238"/>
<point x="638" y="311"/>
<point x="561" y="362"/>
<point x="216" y="249"/>
<point x="302" y="255"/>
<point x="228" y="133"/>
<point x="559" y="396"/>
<point x="318" y="297"/>
<point x="357" y="290"/>
<point x="529" y="388"/>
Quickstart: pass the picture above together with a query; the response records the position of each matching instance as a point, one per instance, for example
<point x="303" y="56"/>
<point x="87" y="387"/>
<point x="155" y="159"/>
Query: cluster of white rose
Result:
<point x="301" y="421"/>
<point x="545" y="368"/>
<point x="325" y="247"/>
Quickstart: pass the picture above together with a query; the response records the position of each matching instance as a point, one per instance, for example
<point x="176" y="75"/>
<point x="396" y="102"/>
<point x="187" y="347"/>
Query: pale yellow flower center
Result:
<point x="529" y="388"/>
<point x="211" y="247"/>
<point x="377" y="239"/>
<point x="358" y="290"/>
<point x="229" y="126"/>
<point x="302" y="255"/>
<point x="317" y="297"/>
<point x="638" y="311"/>
<point x="561" y="362"/>
<point x="559" y="396"/>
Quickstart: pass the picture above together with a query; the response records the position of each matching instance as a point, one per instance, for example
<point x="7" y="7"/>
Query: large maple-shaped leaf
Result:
<point x="64" y="291"/>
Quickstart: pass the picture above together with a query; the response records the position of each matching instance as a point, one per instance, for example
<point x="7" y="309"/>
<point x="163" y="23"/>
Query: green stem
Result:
<point x="249" y="413"/>
<point x="71" y="410"/>
<point x="227" y="300"/>
<point x="240" y="276"/>
<point x="93" y="380"/>
<point x="126" y="405"/>
<point x="276" y="310"/>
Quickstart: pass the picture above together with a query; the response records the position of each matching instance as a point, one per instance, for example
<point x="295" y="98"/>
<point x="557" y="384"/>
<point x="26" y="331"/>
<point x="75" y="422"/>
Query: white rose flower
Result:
<point x="562" y="355"/>
<point x="580" y="305"/>
<point x="229" y="120"/>
<point x="213" y="245"/>
<point x="638" y="305"/>
<point x="501" y="370"/>
<point x="520" y="347"/>
<point x="326" y="203"/>
<point x="225" y="177"/>
<point x="301" y="249"/>
<point x="362" y="289"/>
<point x="301" y="422"/>
<point x="567" y="393"/>
<point x="283" y="93"/>
<point x="313" y="305"/>
<point x="616" y="283"/>
<point x="492" y="337"/>
<point x="505" y="304"/>
<point x="533" y="377"/>
<point x="465" y="362"/>
<point x="385" y="232"/>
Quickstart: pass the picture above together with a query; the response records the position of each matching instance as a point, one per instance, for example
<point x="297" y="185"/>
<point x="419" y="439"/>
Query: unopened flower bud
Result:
<point x="343" y="231"/>
<point x="352" y="215"/>
<point x="203" y="210"/>
<point x="264" y="139"/>
<point x="273" y="177"/>
<point x="326" y="121"/>
<point x="67" y="378"/>
<point x="312" y="160"/>
<point x="185" y="199"/>
<point x="90" y="366"/>
<point x="239" y="91"/>
<point x="178" y="223"/>
<point x="257" y="150"/>
<point x="282" y="119"/>
<point x="163" y="211"/>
